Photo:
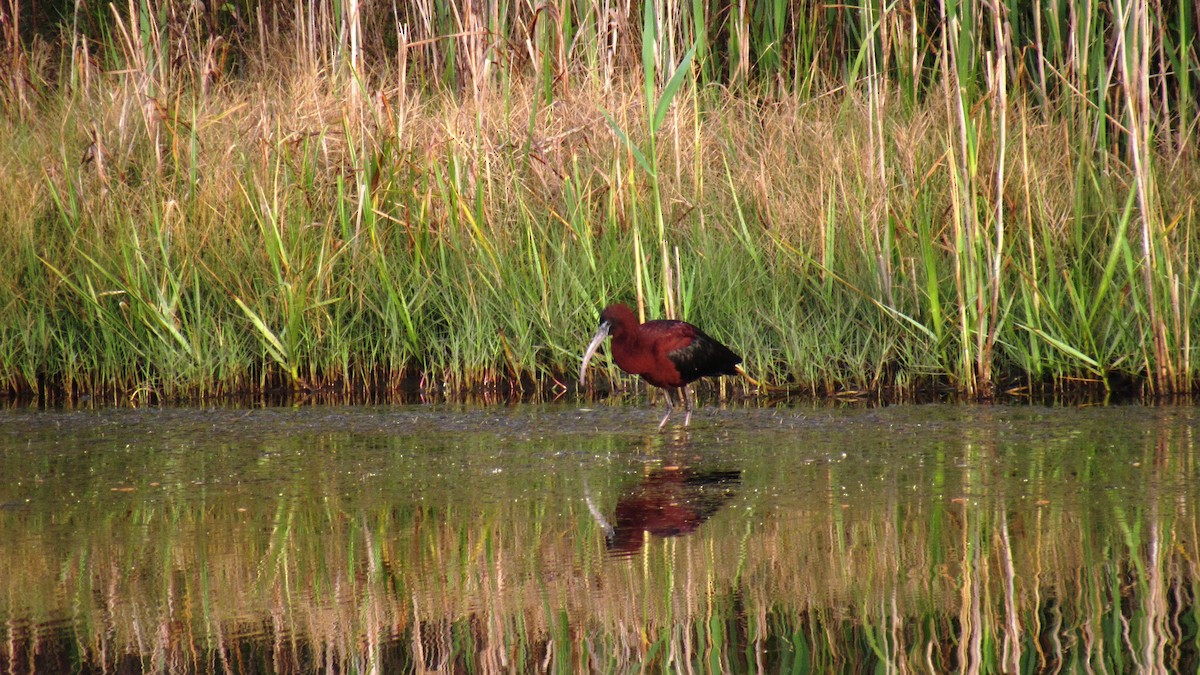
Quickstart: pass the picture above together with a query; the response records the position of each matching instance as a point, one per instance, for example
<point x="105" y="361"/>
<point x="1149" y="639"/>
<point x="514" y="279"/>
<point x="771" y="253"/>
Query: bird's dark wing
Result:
<point x="693" y="352"/>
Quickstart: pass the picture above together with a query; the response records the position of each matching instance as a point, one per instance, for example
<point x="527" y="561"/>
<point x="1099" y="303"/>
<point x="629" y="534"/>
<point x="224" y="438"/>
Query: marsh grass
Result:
<point x="343" y="196"/>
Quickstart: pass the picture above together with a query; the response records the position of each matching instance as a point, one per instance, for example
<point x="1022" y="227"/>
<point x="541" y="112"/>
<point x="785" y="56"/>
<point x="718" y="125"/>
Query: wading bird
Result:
<point x="667" y="354"/>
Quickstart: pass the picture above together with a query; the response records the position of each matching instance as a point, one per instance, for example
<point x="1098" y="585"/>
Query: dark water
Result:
<point x="568" y="539"/>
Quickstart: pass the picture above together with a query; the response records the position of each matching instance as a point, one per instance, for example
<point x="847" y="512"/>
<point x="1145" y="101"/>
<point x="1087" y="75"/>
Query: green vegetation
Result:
<point x="345" y="195"/>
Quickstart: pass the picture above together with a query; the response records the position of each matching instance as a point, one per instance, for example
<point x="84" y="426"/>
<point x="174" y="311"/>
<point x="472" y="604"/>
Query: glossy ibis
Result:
<point x="667" y="354"/>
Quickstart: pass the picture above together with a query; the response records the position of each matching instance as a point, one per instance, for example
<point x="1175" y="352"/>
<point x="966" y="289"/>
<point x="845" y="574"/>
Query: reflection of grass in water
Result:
<point x="990" y="556"/>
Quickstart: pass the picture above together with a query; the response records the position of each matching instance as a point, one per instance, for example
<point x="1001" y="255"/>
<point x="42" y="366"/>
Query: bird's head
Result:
<point x="615" y="319"/>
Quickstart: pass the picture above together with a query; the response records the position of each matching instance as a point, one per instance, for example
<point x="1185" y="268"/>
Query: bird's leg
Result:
<point x="687" y="406"/>
<point x="667" y="393"/>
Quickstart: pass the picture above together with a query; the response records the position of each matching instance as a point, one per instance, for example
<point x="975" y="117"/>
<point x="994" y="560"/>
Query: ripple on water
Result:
<point x="400" y="534"/>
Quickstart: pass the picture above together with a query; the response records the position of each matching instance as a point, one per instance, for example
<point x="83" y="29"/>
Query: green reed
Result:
<point x="335" y="195"/>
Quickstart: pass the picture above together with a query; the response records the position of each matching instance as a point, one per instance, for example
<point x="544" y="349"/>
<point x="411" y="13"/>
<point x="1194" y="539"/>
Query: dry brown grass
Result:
<point x="208" y="130"/>
<point x="795" y="163"/>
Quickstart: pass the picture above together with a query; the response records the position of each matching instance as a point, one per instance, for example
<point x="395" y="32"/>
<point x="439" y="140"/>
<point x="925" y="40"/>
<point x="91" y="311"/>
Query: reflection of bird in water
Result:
<point x="668" y="502"/>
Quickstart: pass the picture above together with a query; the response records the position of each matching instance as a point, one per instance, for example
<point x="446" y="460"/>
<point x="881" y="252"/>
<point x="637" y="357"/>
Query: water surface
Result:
<point x="577" y="539"/>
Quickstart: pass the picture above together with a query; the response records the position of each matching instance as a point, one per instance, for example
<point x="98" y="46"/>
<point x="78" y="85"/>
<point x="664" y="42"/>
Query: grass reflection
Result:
<point x="1007" y="542"/>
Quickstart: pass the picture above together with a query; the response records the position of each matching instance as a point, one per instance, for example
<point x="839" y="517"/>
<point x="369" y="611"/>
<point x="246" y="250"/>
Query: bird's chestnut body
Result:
<point x="667" y="354"/>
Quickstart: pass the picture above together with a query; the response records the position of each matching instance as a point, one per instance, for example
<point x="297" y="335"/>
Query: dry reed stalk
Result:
<point x="1133" y="62"/>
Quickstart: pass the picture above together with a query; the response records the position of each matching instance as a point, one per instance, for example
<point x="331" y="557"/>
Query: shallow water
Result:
<point x="575" y="539"/>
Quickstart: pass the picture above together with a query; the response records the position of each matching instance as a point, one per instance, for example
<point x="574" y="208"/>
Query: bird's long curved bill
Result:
<point x="601" y="333"/>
